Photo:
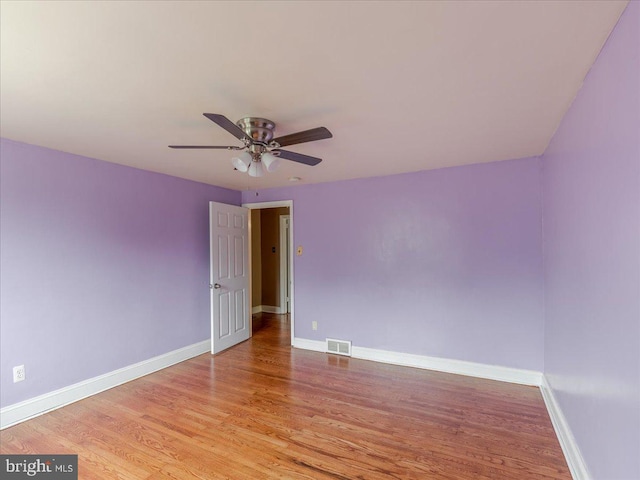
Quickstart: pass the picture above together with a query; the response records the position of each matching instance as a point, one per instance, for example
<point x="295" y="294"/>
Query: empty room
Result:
<point x="320" y="240"/>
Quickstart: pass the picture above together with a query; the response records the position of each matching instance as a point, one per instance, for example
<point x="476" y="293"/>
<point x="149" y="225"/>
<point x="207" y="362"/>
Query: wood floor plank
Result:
<point x="265" y="410"/>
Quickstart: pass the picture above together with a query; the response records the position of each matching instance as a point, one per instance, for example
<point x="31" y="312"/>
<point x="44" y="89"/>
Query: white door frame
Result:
<point x="285" y="295"/>
<point x="280" y="203"/>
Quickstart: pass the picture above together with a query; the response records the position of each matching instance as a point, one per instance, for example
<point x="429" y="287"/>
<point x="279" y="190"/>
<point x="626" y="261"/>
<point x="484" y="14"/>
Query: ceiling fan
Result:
<point x="261" y="151"/>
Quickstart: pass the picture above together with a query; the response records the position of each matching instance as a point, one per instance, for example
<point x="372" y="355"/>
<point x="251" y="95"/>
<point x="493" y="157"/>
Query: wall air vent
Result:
<point x="341" y="347"/>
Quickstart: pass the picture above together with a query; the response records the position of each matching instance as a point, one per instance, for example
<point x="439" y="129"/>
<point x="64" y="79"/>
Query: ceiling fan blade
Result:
<point x="228" y="125"/>
<point x="312" y="135"/>
<point x="206" y="146"/>
<point x="298" y="157"/>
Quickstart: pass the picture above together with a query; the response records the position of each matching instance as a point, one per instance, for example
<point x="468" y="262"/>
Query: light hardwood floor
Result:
<point x="265" y="410"/>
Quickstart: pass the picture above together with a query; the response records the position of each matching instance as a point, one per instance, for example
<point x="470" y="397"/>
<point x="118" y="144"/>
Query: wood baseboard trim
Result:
<point x="575" y="461"/>
<point x="33" y="407"/>
<point x="458" y="367"/>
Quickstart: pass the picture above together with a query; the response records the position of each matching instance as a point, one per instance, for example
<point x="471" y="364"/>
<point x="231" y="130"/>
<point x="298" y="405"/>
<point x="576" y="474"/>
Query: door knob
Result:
<point x="217" y="286"/>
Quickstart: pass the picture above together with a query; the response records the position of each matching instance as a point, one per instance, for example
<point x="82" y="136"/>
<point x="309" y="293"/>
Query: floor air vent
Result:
<point x="341" y="347"/>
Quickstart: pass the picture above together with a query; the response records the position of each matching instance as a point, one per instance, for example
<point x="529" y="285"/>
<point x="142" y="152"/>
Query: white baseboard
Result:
<point x="19" y="412"/>
<point x="268" y="309"/>
<point x="572" y="454"/>
<point x="36" y="406"/>
<point x="272" y="309"/>
<point x="306" y="344"/>
<point x="459" y="367"/>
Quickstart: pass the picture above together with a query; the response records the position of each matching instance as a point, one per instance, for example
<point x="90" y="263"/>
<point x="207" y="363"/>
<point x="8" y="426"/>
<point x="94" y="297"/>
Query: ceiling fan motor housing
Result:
<point x="259" y="129"/>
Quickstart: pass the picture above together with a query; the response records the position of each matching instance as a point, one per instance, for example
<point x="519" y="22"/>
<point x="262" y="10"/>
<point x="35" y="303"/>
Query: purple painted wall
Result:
<point x="103" y="266"/>
<point x="446" y="263"/>
<point x="591" y="196"/>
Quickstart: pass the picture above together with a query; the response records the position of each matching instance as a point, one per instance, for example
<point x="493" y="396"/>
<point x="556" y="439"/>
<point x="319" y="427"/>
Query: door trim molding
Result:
<point x="276" y="204"/>
<point x="283" y="226"/>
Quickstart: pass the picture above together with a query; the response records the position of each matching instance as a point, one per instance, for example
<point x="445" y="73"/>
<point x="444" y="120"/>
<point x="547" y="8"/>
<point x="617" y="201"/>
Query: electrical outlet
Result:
<point x="314" y="325"/>
<point x="18" y="373"/>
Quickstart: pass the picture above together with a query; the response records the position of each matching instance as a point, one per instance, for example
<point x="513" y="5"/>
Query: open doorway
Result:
<point x="271" y="257"/>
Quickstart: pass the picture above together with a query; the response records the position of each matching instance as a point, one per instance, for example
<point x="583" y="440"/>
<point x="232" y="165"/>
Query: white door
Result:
<point x="229" y="275"/>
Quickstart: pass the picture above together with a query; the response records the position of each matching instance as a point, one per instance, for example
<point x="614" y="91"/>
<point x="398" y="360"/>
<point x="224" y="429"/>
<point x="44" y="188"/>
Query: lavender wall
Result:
<point x="103" y="266"/>
<point x="446" y="263"/>
<point x="591" y="195"/>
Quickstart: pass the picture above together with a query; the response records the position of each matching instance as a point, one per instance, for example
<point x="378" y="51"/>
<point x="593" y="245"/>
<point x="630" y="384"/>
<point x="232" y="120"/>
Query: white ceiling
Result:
<point x="403" y="86"/>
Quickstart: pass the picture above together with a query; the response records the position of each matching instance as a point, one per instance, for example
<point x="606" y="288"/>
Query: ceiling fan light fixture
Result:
<point x="257" y="135"/>
<point x="256" y="169"/>
<point x="270" y="162"/>
<point x="242" y="162"/>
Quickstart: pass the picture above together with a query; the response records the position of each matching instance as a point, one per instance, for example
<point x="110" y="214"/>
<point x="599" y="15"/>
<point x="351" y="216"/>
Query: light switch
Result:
<point x="299" y="250"/>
